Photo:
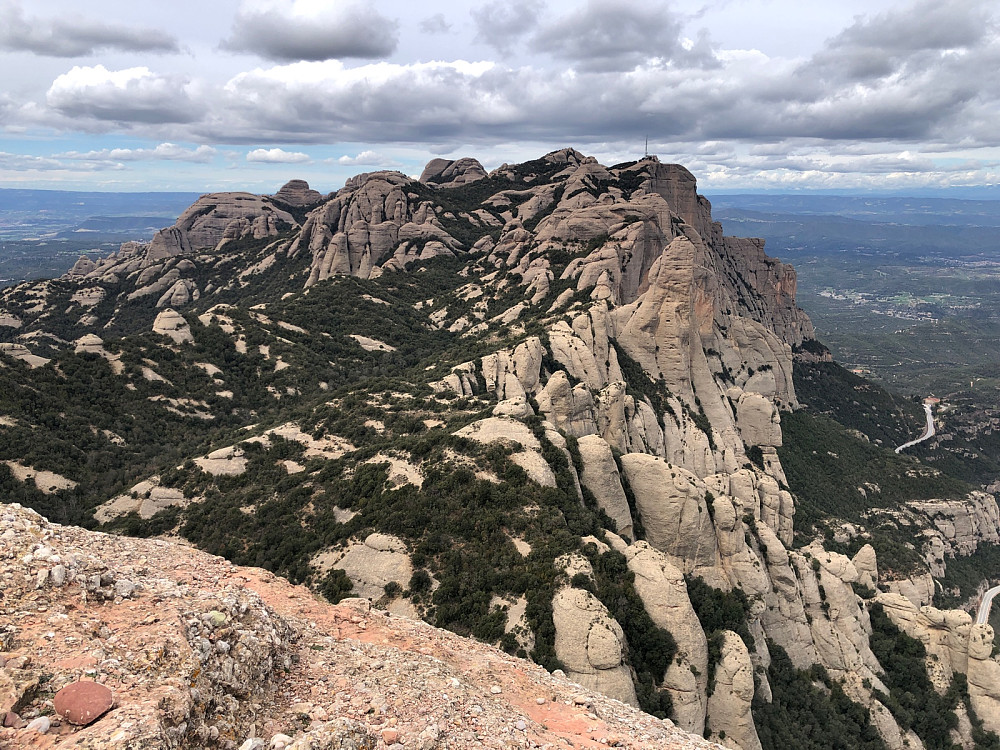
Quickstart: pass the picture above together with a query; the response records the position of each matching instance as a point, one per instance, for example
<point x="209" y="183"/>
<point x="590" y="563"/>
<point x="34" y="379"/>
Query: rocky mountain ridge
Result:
<point x="201" y="653"/>
<point x="545" y="406"/>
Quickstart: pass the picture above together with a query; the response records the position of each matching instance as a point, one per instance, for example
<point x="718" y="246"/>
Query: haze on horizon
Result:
<point x="748" y="94"/>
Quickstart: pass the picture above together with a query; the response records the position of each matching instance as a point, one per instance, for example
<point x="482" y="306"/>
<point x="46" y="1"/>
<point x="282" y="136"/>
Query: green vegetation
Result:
<point x="717" y="611"/>
<point x="857" y="404"/>
<point x="809" y="711"/>
<point x="912" y="699"/>
<point x="964" y="575"/>
<point x="835" y="475"/>
<point x="650" y="647"/>
<point x="641" y="386"/>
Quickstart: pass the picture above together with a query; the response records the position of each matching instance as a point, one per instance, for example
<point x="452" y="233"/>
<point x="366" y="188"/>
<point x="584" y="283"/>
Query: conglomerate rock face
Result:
<point x="583" y="330"/>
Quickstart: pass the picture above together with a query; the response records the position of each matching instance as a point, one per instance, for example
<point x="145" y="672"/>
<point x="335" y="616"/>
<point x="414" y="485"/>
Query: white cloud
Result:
<point x="908" y="75"/>
<point x="133" y="95"/>
<point x="163" y="152"/>
<point x="277" y="156"/>
<point x="304" y="30"/>
<point x="30" y="163"/>
<point x="367" y="159"/>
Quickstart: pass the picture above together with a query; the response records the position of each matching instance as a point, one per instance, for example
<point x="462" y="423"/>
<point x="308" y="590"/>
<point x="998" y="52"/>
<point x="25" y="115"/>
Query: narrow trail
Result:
<point x="928" y="431"/>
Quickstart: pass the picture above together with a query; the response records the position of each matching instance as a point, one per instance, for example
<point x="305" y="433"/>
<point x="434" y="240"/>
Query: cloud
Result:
<point x="323" y="102"/>
<point x="134" y="95"/>
<point x="299" y="30"/>
<point x="876" y="46"/>
<point x="28" y="163"/>
<point x="717" y="104"/>
<point x="747" y="97"/>
<point x="502" y="23"/>
<point x="162" y="152"/>
<point x="24" y="162"/>
<point x="277" y="156"/>
<point x="75" y="36"/>
<point x="618" y="35"/>
<point x="367" y="159"/>
<point x="903" y="72"/>
<point x="436" y="24"/>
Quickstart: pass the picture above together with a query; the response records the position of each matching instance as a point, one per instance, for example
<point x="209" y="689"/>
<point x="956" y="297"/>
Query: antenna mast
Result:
<point x="647" y="145"/>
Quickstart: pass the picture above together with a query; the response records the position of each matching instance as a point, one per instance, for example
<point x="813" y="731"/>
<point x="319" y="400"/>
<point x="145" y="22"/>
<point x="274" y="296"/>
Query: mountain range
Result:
<point x="551" y="407"/>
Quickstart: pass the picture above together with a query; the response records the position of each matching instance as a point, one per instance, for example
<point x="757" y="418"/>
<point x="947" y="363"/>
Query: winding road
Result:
<point x="984" y="607"/>
<point x="928" y="432"/>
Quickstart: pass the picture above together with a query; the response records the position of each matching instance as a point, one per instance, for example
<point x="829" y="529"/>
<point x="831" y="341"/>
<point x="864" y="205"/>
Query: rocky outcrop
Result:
<point x="514" y="373"/>
<point x="601" y="304"/>
<point x="954" y="644"/>
<point x="199" y="653"/>
<point x="672" y="504"/>
<point x="448" y="173"/>
<point x="591" y="645"/>
<point x="172" y="324"/>
<point x="298" y="193"/>
<point x="600" y="475"/>
<point x="839" y="624"/>
<point x="367" y="223"/>
<point x="507" y="430"/>
<point x="216" y="218"/>
<point x="984" y="677"/>
<point x="958" y="527"/>
<point x="146" y="499"/>
<point x="664" y="594"/>
<point x="944" y="633"/>
<point x="381" y="559"/>
<point x="729" y="716"/>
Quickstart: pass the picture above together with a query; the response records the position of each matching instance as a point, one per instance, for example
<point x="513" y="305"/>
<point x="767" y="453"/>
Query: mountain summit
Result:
<point x="552" y="407"/>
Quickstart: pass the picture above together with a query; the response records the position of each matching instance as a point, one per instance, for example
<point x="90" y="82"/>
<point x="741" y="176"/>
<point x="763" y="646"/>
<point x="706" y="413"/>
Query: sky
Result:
<point x="750" y="95"/>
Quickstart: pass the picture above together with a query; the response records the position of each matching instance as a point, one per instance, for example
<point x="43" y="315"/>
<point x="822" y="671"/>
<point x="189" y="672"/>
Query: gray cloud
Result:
<point x="618" y="35"/>
<point x="744" y="98"/>
<point x="350" y="29"/>
<point x="76" y="37"/>
<point x="902" y="40"/>
<point x="436" y="24"/>
<point x="502" y="23"/>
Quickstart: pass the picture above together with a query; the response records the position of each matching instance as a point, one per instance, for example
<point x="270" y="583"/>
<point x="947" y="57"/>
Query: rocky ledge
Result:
<point x="200" y="653"/>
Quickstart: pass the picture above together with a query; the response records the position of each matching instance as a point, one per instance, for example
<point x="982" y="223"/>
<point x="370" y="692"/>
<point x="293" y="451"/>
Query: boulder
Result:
<point x="83" y="702"/>
<point x="172" y="324"/>
<point x="591" y="645"/>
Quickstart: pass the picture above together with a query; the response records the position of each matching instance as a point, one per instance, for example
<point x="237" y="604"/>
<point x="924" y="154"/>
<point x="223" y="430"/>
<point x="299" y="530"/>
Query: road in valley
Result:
<point x="984" y="606"/>
<point x="928" y="432"/>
